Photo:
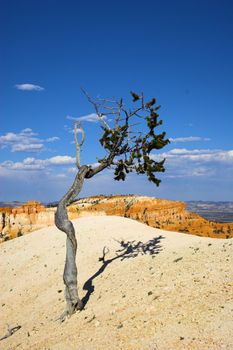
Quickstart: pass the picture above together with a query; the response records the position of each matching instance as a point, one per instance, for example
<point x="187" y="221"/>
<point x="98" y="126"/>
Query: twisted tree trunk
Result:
<point x="62" y="222"/>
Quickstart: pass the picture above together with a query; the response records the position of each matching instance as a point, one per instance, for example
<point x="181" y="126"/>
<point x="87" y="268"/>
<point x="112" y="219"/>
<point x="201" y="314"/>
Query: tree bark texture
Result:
<point x="62" y="222"/>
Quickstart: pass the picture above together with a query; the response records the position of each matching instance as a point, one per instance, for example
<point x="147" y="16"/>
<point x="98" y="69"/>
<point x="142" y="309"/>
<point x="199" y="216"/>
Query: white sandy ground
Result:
<point x="144" y="302"/>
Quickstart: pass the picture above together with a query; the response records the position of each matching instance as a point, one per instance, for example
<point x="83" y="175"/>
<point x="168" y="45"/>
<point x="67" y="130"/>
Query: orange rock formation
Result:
<point x="159" y="213"/>
<point x="31" y="216"/>
<point x="31" y="207"/>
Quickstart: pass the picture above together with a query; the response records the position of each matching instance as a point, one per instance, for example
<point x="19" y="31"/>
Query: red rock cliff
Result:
<point x="159" y="213"/>
<point x="31" y="216"/>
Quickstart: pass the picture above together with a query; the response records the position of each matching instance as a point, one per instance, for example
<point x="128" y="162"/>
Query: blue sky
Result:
<point x="181" y="52"/>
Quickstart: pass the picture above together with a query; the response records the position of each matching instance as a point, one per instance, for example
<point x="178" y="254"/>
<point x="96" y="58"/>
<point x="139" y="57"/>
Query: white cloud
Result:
<point x="197" y="155"/>
<point x="189" y="139"/>
<point x="181" y="162"/>
<point x="93" y="118"/>
<point x="24" y="141"/>
<point x="26" y="164"/>
<point x="61" y="160"/>
<point x="33" y="147"/>
<point x="29" y="87"/>
<point x="28" y="132"/>
<point x="52" y="139"/>
<point x="72" y="170"/>
<point x="184" y="151"/>
<point x="31" y="163"/>
<point x="184" y="178"/>
<point x="10" y="137"/>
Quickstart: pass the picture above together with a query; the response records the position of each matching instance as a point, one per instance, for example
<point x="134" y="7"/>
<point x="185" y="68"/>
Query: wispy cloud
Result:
<point x="52" y="139"/>
<point x="33" y="147"/>
<point x="28" y="132"/>
<point x="29" y="87"/>
<point x="93" y="118"/>
<point x="25" y="141"/>
<point x="189" y="139"/>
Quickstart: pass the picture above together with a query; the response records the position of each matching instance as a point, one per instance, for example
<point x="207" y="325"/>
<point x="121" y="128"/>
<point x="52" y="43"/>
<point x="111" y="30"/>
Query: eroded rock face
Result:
<point x="31" y="216"/>
<point x="159" y="213"/>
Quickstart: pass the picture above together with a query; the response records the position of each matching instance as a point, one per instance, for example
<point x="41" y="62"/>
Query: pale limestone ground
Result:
<point x="161" y="302"/>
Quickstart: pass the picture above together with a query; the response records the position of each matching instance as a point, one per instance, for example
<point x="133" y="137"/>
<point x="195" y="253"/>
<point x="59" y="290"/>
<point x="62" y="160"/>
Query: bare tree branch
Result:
<point x="77" y="126"/>
<point x="107" y="100"/>
<point x="100" y="115"/>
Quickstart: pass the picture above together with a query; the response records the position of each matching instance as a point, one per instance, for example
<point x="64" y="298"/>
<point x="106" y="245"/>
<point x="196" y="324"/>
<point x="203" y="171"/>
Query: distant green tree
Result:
<point x="128" y="145"/>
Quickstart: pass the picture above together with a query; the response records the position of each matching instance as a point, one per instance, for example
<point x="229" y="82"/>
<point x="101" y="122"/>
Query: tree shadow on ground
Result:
<point x="127" y="250"/>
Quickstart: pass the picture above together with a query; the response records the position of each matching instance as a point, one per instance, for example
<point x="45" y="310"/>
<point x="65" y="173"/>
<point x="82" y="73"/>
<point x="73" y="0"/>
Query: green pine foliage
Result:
<point x="131" y="151"/>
